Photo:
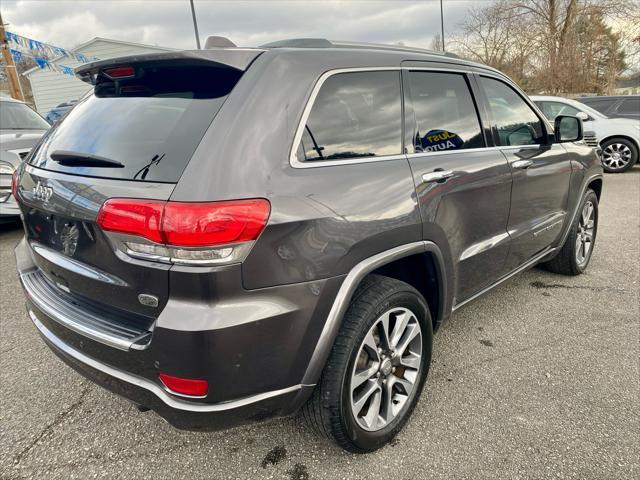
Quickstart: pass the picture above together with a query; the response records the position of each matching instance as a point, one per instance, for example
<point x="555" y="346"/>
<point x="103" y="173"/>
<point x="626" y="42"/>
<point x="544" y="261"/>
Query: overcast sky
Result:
<point x="247" y="23"/>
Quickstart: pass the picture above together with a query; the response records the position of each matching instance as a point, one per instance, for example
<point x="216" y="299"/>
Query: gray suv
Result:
<point x="229" y="235"/>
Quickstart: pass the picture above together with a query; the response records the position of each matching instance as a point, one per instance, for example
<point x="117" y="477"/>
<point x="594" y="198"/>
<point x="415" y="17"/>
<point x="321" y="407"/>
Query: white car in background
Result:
<point x="20" y="129"/>
<point x="619" y="138"/>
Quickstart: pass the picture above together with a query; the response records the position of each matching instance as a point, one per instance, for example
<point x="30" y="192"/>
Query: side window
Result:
<point x="552" y="109"/>
<point x="630" y="105"/>
<point x="446" y="117"/>
<point x="517" y="124"/>
<point x="600" y="105"/>
<point x="354" y="115"/>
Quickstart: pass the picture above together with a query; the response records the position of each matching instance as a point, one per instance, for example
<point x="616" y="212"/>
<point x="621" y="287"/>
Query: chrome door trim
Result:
<point x="157" y="390"/>
<point x="522" y="267"/>
<point x="539" y="256"/>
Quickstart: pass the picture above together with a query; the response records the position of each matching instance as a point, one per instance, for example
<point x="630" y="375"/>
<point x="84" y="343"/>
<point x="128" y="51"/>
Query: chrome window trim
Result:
<point x="157" y="390"/>
<point x="296" y="163"/>
<point x="293" y="159"/>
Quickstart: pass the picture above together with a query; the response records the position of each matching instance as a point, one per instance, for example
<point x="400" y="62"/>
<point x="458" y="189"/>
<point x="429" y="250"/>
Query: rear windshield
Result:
<point x="144" y="128"/>
<point x="17" y="116"/>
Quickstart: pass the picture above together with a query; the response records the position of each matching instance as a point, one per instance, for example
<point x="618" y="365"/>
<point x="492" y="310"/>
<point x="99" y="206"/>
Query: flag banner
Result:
<point x="43" y="64"/>
<point x="16" y="54"/>
<point x="41" y="48"/>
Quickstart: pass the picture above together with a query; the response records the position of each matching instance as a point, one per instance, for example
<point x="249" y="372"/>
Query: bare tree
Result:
<point x="549" y="45"/>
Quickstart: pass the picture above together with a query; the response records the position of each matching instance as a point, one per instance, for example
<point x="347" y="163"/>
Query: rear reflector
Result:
<point x="185" y="386"/>
<point x="186" y="224"/>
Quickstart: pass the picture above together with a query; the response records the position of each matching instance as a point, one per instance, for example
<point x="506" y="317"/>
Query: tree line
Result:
<point x="554" y="46"/>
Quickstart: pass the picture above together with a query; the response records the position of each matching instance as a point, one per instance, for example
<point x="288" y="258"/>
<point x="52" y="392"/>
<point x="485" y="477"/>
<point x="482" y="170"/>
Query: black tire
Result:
<point x="328" y="410"/>
<point x="566" y="261"/>
<point x="618" y="144"/>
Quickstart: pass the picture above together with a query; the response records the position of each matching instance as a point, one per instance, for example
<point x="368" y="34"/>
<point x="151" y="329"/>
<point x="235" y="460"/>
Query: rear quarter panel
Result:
<point x="323" y="220"/>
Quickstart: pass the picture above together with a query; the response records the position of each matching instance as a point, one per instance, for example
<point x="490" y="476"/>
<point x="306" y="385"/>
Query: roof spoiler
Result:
<point x="236" y="59"/>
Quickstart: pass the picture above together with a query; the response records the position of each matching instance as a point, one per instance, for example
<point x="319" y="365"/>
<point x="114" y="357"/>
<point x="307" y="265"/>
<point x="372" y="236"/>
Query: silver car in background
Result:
<point x="20" y="130"/>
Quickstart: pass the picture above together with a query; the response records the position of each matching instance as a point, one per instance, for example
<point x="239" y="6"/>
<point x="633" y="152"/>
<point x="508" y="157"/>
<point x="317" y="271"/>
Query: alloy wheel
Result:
<point x="386" y="369"/>
<point x="616" y="156"/>
<point x="586" y="228"/>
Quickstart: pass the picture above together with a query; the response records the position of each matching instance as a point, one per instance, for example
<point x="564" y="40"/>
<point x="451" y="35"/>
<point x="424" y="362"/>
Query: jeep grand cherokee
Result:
<point x="229" y="235"/>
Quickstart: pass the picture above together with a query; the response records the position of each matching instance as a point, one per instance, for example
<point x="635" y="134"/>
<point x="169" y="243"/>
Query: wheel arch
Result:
<point x="392" y="262"/>
<point x="423" y="272"/>
<point x="596" y="186"/>
<point x="624" y="137"/>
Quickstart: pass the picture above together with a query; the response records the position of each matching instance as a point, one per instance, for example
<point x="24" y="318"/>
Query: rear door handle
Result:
<point x="437" y="176"/>
<point x="522" y="163"/>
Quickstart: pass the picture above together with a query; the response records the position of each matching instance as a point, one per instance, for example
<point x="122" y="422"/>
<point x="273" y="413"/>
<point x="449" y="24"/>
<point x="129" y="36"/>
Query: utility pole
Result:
<point x="195" y="24"/>
<point x="442" y="23"/>
<point x="10" y="68"/>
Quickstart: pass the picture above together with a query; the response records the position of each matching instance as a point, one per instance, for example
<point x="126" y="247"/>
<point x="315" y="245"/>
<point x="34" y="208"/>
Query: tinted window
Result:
<point x="445" y="114"/>
<point x="630" y="105"/>
<point x="601" y="105"/>
<point x="516" y="122"/>
<point x="354" y="115"/>
<point x="17" y="116"/>
<point x="552" y="109"/>
<point x="150" y="124"/>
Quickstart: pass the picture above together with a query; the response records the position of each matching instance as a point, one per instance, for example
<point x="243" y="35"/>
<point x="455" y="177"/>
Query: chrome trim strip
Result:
<point x="113" y="341"/>
<point x="341" y="302"/>
<point x="150" y="386"/>
<point x="522" y="267"/>
<point x="293" y="159"/>
<point x="75" y="266"/>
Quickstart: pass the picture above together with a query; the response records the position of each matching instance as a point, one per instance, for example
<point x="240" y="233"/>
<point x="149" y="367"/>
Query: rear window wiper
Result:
<point x="80" y="159"/>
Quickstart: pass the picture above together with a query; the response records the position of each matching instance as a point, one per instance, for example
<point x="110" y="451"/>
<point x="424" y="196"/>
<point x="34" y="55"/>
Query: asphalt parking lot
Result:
<point x="538" y="379"/>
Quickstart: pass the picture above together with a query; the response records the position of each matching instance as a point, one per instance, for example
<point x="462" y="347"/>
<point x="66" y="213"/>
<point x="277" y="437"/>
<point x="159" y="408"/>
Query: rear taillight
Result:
<point x="185" y="386"/>
<point x="15" y="178"/>
<point x="136" y="217"/>
<point x="200" y="233"/>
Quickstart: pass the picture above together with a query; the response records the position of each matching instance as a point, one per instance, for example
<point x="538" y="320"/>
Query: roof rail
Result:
<point x="324" y="43"/>
<point x="384" y="46"/>
<point x="299" y="43"/>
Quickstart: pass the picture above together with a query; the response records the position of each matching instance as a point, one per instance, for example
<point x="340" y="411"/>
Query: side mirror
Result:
<point x="583" y="116"/>
<point x="567" y="129"/>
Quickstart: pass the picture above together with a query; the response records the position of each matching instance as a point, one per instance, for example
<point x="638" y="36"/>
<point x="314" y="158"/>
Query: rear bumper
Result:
<point x="253" y="357"/>
<point x="180" y="413"/>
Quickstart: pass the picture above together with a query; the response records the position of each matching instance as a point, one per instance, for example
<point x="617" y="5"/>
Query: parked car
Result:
<point x="619" y="138"/>
<point x="20" y="130"/>
<point x="265" y="233"/>
<point x="620" y="106"/>
<point x="58" y="111"/>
